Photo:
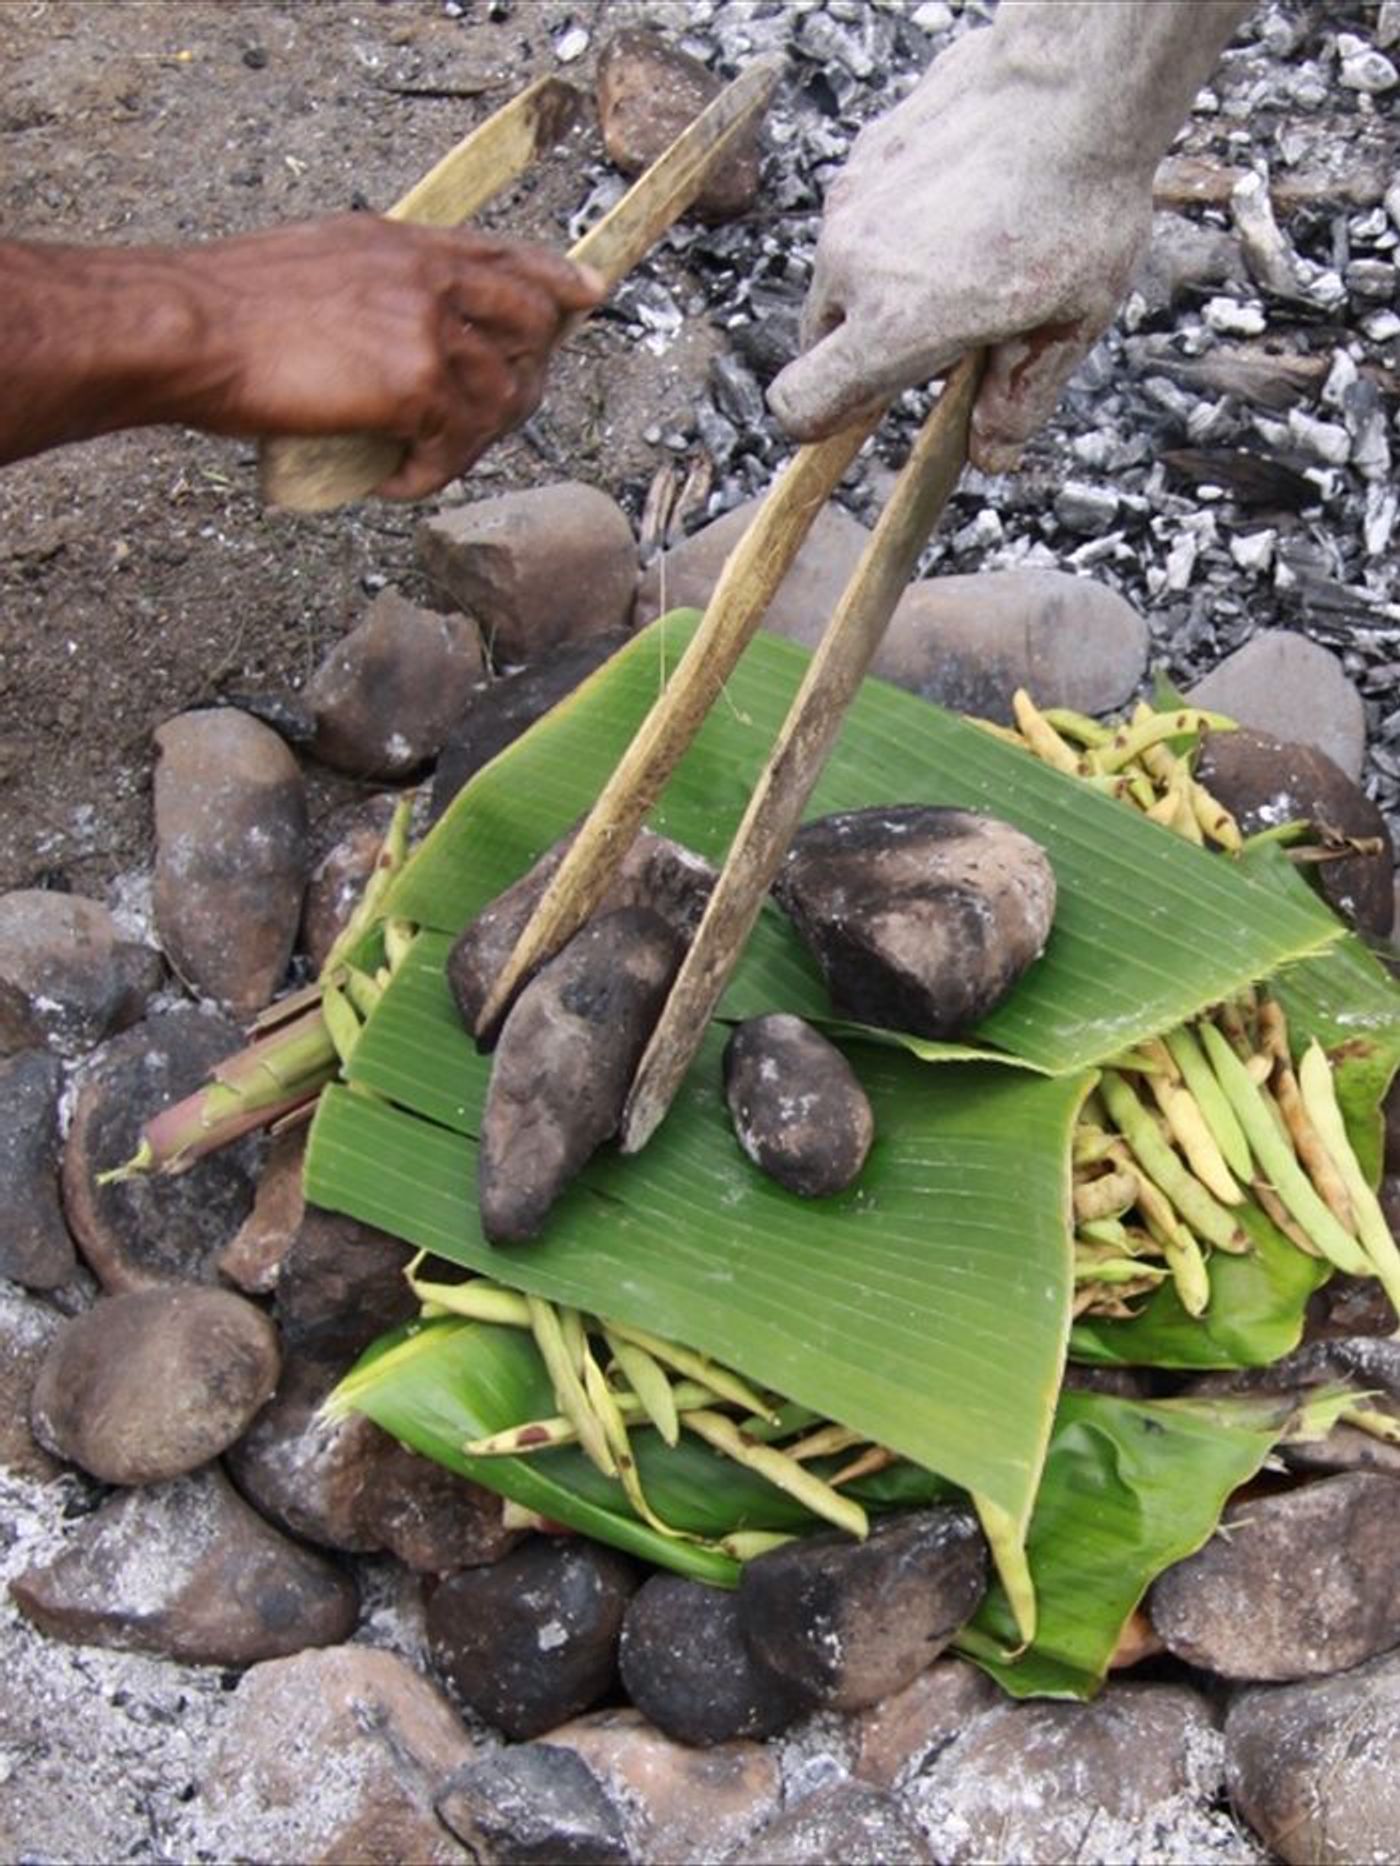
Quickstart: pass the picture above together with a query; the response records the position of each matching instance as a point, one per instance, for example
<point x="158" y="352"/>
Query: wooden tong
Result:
<point x="747" y="584"/>
<point x="316" y="475"/>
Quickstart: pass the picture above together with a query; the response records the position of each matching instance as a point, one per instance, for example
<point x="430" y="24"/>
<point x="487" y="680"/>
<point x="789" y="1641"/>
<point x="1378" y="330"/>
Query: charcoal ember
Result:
<point x="532" y="1640"/>
<point x="1184" y="256"/>
<point x="1371" y="278"/>
<point x="1264" y="781"/>
<point x="718" y="434"/>
<point x="921" y="918"/>
<point x="687" y="1668"/>
<point x="798" y="1108"/>
<point x="655" y="873"/>
<point x="773" y="336"/>
<point x="849" y="1622"/>
<point x="1089" y="510"/>
<point x="564" y="1063"/>
<point x="736" y="392"/>
<point x="1249" y="478"/>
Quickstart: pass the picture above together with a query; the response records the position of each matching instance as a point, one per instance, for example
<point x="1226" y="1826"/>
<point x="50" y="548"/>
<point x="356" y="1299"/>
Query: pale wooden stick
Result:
<point x="751" y="575"/>
<point x="314" y="475"/>
<point x="803" y="745"/>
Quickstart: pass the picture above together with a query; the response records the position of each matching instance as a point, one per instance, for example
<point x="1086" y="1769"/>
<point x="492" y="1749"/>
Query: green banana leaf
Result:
<point x="1129" y="1487"/>
<point x="1148" y="929"/>
<point x="926" y="1307"/>
<point x="437" y="1386"/>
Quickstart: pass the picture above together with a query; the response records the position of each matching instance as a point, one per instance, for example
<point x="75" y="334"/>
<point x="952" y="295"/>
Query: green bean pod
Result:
<point x="1276" y="1158"/>
<point x="1319" y="1094"/>
<point x="562" y="1368"/>
<point x="1219" y="1116"/>
<point x="780" y="1470"/>
<point x="1196" y="1206"/>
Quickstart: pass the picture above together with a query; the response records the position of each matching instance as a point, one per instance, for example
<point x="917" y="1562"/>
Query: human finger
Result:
<point x="489" y="395"/>
<point x="826" y="387"/>
<point x="572" y="287"/>
<point x="1021" y="389"/>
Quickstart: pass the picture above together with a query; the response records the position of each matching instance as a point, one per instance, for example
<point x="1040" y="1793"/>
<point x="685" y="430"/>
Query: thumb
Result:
<point x="828" y="386"/>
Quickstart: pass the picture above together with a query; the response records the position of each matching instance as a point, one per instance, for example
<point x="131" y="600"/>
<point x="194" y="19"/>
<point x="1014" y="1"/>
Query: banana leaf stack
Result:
<point x="920" y="1321"/>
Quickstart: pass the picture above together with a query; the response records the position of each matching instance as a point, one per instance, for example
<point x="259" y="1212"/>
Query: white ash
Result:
<point x="1184" y="1829"/>
<point x="128" y="1732"/>
<point x="815" y="1754"/>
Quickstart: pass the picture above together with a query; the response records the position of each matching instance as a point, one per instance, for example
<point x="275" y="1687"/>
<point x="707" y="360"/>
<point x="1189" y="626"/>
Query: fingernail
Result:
<point x="593" y="279"/>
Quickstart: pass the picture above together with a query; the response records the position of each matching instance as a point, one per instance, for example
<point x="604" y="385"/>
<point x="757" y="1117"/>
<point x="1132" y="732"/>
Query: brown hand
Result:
<point x="363" y="325"/>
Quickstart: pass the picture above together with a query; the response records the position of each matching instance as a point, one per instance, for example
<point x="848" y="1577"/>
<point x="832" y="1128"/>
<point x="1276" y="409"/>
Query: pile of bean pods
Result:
<point x="1186" y="1130"/>
<point x="1142" y="761"/>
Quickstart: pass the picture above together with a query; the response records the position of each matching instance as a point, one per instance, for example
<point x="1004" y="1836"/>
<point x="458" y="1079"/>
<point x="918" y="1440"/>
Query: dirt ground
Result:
<point x="139" y="574"/>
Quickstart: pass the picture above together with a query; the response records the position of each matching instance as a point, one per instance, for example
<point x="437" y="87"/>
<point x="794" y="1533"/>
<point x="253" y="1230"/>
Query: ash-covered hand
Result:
<point x="1004" y="204"/>
<point x="362" y="325"/>
<point x="345" y="326"/>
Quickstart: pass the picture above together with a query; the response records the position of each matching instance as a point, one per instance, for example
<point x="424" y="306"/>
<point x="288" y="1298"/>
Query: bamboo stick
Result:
<point x="803" y="746"/>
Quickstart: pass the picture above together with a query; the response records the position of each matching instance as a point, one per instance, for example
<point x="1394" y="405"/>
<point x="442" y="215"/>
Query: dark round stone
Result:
<point x="797" y="1105"/>
<point x="851" y="1622"/>
<point x="154" y="1383"/>
<point x="687" y="1669"/>
<point x="921" y="919"/>
<point x="1263" y="781"/>
<point x="532" y="1641"/>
